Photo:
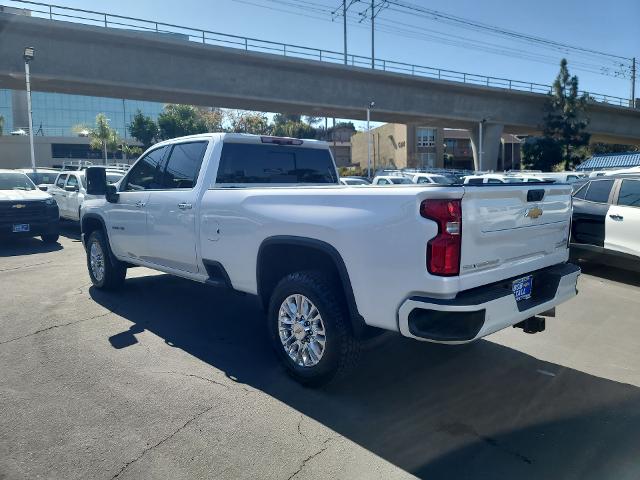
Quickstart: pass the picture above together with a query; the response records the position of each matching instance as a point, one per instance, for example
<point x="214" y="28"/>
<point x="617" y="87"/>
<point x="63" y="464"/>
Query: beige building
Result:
<point x="416" y="146"/>
<point x="400" y="146"/>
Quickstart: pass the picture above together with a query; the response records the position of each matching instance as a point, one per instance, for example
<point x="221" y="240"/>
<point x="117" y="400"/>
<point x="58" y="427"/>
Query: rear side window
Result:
<point x="258" y="163"/>
<point x="495" y="180"/>
<point x="61" y="180"/>
<point x="599" y="191"/>
<point x="629" y="193"/>
<point x="144" y="175"/>
<point x="183" y="165"/>
<point x="475" y="181"/>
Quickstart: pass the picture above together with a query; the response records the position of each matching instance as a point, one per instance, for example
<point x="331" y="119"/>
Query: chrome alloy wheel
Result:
<point x="301" y="330"/>
<point x="96" y="260"/>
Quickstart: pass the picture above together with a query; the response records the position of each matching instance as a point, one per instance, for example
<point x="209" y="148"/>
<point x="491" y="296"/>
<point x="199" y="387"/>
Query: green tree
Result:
<point x="542" y="153"/>
<point x="101" y="135"/>
<point x="279" y="118"/>
<point x="214" y="119"/>
<point x="180" y="120"/>
<point x="143" y="129"/>
<point x="311" y="120"/>
<point x="129" y="151"/>
<point x="566" y="118"/>
<point x="564" y="123"/>
<point x="294" y="129"/>
<point x="256" y="123"/>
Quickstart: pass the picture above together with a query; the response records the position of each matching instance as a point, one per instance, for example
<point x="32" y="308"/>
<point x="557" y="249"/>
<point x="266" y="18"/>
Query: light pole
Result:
<point x="369" y="107"/>
<point x="29" y="53"/>
<point x="481" y="146"/>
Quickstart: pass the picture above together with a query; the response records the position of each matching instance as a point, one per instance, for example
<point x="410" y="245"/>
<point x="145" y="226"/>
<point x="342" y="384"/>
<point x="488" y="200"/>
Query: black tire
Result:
<point x="342" y="349"/>
<point x="113" y="271"/>
<point x="50" y="238"/>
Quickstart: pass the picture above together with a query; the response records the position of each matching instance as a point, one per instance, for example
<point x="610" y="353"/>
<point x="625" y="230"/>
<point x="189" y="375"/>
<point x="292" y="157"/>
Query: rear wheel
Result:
<point x="50" y="238"/>
<point x="310" y="330"/>
<point x="105" y="272"/>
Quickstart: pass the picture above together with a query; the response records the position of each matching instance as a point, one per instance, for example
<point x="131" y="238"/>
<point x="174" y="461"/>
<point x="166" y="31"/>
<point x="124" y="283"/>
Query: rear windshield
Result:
<point x="42" y="177"/>
<point x="400" y="180"/>
<point x="242" y="163"/>
<point x="15" y="181"/>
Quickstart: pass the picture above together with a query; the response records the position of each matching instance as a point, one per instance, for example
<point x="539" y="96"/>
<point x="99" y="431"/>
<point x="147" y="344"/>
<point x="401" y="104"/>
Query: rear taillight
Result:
<point x="443" y="250"/>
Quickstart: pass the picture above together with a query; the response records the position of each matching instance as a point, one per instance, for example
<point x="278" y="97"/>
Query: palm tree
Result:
<point x="101" y="136"/>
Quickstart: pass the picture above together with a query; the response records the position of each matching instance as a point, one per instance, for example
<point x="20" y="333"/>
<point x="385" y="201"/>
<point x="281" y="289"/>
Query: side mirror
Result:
<point x="43" y="187"/>
<point x="71" y="188"/>
<point x="96" y="180"/>
<point x="111" y="194"/>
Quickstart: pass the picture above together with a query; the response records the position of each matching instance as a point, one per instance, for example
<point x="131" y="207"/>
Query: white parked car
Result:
<point x="26" y="211"/>
<point x="353" y="182"/>
<point x="560" y="177"/>
<point x="391" y="180"/>
<point x="480" y="179"/>
<point x="43" y="177"/>
<point x="431" y="178"/>
<point x="70" y="190"/>
<point x="219" y="210"/>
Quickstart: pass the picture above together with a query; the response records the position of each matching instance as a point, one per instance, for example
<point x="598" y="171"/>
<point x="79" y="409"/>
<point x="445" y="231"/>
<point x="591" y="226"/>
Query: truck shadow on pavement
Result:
<point x="477" y="411"/>
<point x="14" y="247"/>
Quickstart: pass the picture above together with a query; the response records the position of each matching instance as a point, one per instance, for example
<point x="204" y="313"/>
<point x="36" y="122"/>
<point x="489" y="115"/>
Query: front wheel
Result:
<point x="310" y="330"/>
<point x="105" y="272"/>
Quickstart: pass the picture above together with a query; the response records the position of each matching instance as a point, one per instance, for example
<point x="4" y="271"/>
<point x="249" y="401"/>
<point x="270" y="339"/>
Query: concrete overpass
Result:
<point x="89" y="60"/>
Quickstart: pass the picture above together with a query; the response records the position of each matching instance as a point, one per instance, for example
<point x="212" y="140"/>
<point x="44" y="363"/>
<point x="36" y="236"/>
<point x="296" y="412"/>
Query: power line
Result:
<point x="452" y="19"/>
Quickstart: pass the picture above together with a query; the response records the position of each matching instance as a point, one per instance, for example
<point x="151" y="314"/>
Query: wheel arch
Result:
<point x="303" y="253"/>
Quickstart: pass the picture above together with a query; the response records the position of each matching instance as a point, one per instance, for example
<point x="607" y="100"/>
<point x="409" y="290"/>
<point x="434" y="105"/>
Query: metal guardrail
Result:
<point x="207" y="37"/>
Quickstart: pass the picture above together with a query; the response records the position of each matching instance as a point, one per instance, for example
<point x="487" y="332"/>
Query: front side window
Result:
<point x="242" y="163"/>
<point x="629" y="193"/>
<point x="145" y="174"/>
<point x="599" y="191"/>
<point x="183" y="165"/>
<point x="475" y="181"/>
<point x="581" y="192"/>
<point x="72" y="181"/>
<point x="495" y="180"/>
<point x="423" y="180"/>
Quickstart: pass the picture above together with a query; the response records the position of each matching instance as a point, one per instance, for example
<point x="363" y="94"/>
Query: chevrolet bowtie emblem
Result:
<point x="533" y="213"/>
<point x="18" y="205"/>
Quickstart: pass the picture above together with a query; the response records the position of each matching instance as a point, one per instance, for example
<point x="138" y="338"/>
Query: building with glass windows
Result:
<point x="54" y="117"/>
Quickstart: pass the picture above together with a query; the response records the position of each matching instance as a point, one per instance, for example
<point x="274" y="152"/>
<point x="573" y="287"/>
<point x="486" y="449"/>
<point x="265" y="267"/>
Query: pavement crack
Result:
<point x="25" y="266"/>
<point x="52" y="327"/>
<point x="165" y="439"/>
<point x="198" y="377"/>
<point x="323" y="447"/>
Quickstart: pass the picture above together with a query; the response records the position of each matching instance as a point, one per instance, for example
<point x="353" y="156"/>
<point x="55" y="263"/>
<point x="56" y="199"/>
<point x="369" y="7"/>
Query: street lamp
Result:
<point x="29" y="53"/>
<point x="369" y="107"/>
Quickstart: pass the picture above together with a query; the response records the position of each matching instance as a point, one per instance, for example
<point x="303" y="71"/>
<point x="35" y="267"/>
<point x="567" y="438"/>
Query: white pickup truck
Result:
<point x="268" y="217"/>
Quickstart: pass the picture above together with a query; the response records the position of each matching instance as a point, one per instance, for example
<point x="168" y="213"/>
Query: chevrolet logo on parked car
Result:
<point x="18" y="205"/>
<point x="533" y="213"/>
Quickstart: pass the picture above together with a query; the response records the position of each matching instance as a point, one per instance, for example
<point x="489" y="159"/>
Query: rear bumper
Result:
<point x="484" y="310"/>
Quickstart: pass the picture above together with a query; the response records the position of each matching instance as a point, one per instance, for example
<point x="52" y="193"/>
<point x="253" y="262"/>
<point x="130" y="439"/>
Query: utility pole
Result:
<point x="373" y="20"/>
<point x="633" y="82"/>
<point x="369" y="107"/>
<point x="480" y="147"/>
<point x="344" y="20"/>
<point x="29" y="53"/>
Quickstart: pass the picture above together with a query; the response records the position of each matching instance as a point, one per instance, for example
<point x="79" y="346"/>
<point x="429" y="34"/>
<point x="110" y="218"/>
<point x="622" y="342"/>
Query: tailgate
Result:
<point x="507" y="227"/>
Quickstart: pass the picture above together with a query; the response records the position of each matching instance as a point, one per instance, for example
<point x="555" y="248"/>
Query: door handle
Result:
<point x="616" y="217"/>
<point x="185" y="206"/>
<point x="139" y="204"/>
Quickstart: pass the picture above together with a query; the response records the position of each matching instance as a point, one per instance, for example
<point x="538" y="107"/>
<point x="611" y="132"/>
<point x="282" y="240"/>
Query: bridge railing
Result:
<point x="207" y="37"/>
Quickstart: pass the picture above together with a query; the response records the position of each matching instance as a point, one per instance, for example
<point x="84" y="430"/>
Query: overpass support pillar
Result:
<point x="491" y="135"/>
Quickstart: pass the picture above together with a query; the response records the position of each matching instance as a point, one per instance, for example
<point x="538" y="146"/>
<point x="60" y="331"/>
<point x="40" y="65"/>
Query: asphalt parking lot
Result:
<point x="172" y="379"/>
